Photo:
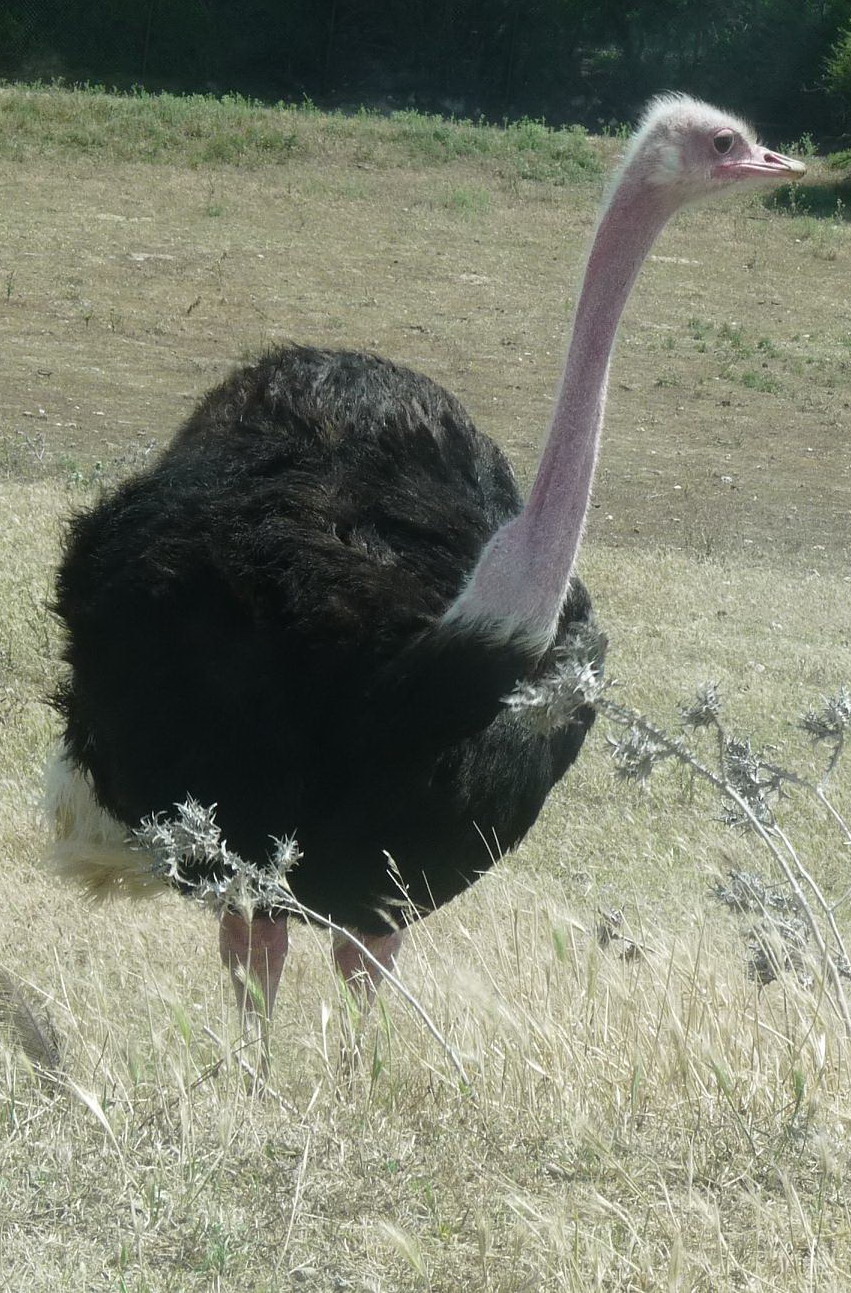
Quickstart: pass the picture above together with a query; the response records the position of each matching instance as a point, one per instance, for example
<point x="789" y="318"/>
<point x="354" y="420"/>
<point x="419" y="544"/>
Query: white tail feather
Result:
<point x="90" y="847"/>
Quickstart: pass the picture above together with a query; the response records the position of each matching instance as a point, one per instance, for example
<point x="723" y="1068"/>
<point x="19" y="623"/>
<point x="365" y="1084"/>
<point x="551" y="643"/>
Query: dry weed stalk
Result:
<point x="749" y="784"/>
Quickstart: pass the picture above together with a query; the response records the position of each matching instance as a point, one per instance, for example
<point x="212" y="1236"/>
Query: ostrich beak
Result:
<point x="762" y="165"/>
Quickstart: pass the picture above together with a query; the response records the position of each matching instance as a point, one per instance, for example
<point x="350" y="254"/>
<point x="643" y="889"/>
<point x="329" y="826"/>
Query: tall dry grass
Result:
<point x="640" y="1121"/>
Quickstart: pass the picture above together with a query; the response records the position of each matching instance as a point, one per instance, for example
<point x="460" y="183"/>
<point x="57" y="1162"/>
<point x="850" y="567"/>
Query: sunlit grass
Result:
<point x="627" y="1121"/>
<point x="202" y="130"/>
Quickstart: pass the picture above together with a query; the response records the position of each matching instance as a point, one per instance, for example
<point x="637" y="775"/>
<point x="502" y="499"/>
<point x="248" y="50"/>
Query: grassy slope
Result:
<point x="657" y="1123"/>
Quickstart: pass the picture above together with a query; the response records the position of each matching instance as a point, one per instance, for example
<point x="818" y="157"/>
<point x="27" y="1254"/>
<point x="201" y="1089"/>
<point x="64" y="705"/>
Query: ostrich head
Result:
<point x="686" y="150"/>
<point x="683" y="151"/>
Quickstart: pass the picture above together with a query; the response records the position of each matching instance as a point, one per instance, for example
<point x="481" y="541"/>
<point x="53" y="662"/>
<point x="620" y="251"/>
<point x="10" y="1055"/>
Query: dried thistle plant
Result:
<point x="751" y="788"/>
<point x="743" y="772"/>
<point x="638" y="753"/>
<point x="745" y="892"/>
<point x="777" y="940"/>
<point x="705" y="709"/>
<point x="830" y="724"/>
<point x="778" y="947"/>
<point x="575" y="680"/>
<point x="189" y="852"/>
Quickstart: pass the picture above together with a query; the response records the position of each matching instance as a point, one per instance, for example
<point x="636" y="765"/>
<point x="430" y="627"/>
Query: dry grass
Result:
<point x="656" y="1123"/>
<point x="650" y="1124"/>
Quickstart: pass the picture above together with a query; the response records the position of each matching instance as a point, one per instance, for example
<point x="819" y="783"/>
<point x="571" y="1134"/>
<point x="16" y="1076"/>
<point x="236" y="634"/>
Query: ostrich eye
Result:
<point x="723" y="141"/>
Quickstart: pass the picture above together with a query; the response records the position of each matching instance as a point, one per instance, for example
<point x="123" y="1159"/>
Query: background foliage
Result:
<point x="785" y="63"/>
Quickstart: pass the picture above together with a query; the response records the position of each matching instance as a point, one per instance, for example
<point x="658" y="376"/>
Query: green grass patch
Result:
<point x="196" y="129"/>
<point x="758" y="381"/>
<point x="201" y="130"/>
<point x="467" y="201"/>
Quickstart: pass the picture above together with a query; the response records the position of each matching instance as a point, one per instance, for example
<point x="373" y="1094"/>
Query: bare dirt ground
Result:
<point x="125" y="292"/>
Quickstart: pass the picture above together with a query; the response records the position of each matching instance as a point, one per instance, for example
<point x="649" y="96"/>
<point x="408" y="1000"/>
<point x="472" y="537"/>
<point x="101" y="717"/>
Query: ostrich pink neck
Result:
<point x="521" y="579"/>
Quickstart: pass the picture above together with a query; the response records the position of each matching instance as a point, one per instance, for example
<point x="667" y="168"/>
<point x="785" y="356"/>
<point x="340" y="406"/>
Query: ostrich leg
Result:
<point x="362" y="979"/>
<point x="361" y="976"/>
<point x="254" y="952"/>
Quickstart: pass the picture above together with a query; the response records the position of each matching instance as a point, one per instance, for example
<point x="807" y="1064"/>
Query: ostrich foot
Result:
<point x="254" y="952"/>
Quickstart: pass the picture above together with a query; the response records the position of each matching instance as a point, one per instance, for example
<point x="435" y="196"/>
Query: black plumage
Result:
<point x="256" y="621"/>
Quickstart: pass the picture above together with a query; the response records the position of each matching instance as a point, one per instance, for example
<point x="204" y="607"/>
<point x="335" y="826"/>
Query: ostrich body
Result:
<point x="314" y="502"/>
<point x="310" y="611"/>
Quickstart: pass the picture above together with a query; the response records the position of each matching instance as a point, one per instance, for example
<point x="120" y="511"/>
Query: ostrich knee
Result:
<point x="254" y="952"/>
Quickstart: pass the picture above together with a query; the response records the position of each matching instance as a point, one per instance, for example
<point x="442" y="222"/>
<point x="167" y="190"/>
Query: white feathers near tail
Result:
<point x="90" y="847"/>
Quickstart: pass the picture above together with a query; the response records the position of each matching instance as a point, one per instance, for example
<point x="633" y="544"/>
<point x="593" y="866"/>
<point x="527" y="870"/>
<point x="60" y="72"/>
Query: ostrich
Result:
<point x="311" y="609"/>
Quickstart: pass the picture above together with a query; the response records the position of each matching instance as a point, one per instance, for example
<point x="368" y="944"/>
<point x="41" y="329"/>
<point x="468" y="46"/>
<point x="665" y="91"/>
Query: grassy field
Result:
<point x="654" y="1122"/>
